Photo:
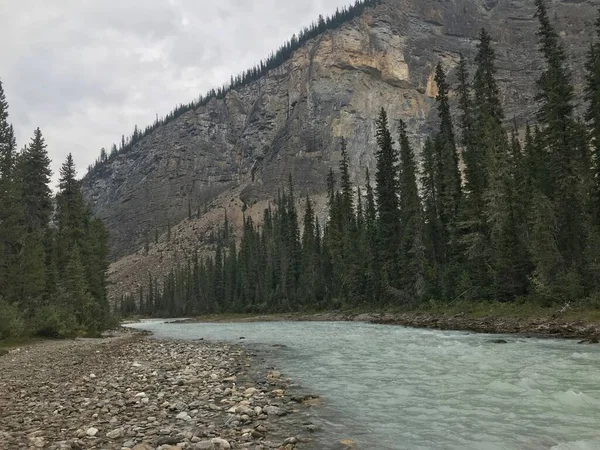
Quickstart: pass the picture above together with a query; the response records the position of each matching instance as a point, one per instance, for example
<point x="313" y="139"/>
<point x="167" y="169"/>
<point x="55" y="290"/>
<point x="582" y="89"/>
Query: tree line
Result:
<point x="53" y="252"/>
<point x="273" y="61"/>
<point x="520" y="221"/>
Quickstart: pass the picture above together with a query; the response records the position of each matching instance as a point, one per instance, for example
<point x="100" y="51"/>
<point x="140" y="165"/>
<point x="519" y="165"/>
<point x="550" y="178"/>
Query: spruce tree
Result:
<point x="11" y="210"/>
<point x="35" y="175"/>
<point x="563" y="186"/>
<point x="448" y="187"/>
<point x="592" y="92"/>
<point x="386" y="193"/>
<point x="412" y="255"/>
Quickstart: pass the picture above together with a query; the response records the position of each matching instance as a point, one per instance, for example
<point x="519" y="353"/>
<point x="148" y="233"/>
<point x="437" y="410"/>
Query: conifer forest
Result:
<point x="53" y="252"/>
<point x="488" y="212"/>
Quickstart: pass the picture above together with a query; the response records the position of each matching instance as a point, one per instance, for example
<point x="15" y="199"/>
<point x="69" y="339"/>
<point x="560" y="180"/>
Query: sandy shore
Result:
<point x="133" y="392"/>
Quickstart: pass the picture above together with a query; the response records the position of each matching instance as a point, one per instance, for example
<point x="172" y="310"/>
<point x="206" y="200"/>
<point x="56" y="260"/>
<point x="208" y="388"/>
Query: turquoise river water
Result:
<point x="390" y="387"/>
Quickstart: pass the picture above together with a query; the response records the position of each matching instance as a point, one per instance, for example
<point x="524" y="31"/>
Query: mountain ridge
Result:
<point x="290" y="120"/>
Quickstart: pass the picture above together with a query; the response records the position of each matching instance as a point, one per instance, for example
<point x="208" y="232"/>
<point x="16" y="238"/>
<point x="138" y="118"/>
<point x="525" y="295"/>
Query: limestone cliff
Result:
<point x="289" y="120"/>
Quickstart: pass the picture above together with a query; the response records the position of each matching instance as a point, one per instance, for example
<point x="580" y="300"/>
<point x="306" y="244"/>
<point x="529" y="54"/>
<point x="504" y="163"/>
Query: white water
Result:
<point x="392" y="387"/>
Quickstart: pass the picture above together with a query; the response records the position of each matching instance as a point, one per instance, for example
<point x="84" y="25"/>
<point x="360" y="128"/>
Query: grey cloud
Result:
<point x="87" y="71"/>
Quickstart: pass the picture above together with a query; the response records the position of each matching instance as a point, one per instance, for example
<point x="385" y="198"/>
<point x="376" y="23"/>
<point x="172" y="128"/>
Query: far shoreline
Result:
<point x="583" y="325"/>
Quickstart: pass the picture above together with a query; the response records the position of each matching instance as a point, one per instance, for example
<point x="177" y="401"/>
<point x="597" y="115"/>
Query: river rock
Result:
<point x="168" y="440"/>
<point x="273" y="410"/>
<point x="143" y="446"/>
<point x="115" y="434"/>
<point x="221" y="443"/>
<point x="209" y="415"/>
<point x="37" y="441"/>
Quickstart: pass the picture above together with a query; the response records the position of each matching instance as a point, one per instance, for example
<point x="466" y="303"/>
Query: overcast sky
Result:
<point x="87" y="71"/>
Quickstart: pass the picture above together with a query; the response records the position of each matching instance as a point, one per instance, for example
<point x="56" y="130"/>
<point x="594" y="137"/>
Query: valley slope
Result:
<point x="237" y="152"/>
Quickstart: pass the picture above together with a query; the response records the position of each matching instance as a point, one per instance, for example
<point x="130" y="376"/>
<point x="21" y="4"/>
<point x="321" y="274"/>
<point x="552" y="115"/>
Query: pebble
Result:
<point x="146" y="395"/>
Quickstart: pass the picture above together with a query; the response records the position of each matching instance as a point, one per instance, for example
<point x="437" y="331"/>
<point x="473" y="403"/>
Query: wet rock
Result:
<point x="273" y="410"/>
<point x="498" y="341"/>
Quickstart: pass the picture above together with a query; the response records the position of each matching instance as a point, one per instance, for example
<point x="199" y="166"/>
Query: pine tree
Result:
<point x="11" y="210"/>
<point x="35" y="174"/>
<point x="593" y="116"/>
<point x="412" y="256"/>
<point x="558" y="137"/>
<point x="347" y="206"/>
<point x="433" y="225"/>
<point x="448" y="188"/>
<point x="77" y="296"/>
<point x="386" y="193"/>
<point x="70" y="211"/>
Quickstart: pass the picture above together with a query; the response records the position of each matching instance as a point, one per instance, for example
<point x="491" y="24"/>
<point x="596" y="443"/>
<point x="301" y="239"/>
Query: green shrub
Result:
<point x="11" y="324"/>
<point x="55" y="322"/>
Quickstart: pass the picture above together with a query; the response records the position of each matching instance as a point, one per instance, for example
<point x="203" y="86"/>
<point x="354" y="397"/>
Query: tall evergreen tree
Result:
<point x="448" y="186"/>
<point x="35" y="175"/>
<point x="386" y="193"/>
<point x="412" y="252"/>
<point x="563" y="185"/>
<point x="593" y="116"/>
<point x="11" y="210"/>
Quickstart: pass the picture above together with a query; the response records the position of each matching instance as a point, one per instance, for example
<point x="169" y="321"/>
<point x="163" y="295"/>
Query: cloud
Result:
<point x="87" y="71"/>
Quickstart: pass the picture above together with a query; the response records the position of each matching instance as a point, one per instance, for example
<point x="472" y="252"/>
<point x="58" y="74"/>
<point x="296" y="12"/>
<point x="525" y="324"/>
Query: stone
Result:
<point x="37" y="442"/>
<point x="182" y="415"/>
<point x="273" y="410"/>
<point x="91" y="431"/>
<point x="250" y="392"/>
<point x="203" y="445"/>
<point x="221" y="443"/>
<point x="143" y="446"/>
<point x="349" y="443"/>
<point x="168" y="440"/>
<point x="115" y="434"/>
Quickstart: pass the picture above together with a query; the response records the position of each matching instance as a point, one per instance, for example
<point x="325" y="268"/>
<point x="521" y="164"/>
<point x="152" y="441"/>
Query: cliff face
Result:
<point x="334" y="86"/>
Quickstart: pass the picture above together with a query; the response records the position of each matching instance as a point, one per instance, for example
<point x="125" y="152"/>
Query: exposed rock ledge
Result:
<point x="131" y="392"/>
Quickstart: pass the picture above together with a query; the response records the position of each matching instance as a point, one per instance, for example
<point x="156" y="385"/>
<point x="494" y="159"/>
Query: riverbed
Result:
<point x="392" y="387"/>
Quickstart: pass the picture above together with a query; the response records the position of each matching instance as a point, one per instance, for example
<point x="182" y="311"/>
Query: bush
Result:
<point x="55" y="322"/>
<point x="11" y="324"/>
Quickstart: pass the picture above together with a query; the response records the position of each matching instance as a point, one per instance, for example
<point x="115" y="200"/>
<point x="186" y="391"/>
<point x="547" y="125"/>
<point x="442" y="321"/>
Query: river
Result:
<point x="391" y="387"/>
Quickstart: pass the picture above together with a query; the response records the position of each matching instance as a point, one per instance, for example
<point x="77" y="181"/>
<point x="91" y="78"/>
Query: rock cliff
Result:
<point x="290" y="120"/>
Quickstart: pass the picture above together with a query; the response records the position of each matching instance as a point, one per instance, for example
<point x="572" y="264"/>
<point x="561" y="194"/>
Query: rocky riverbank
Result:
<point x="132" y="392"/>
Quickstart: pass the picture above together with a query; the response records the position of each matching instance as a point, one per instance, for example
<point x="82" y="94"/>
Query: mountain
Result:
<point x="236" y="150"/>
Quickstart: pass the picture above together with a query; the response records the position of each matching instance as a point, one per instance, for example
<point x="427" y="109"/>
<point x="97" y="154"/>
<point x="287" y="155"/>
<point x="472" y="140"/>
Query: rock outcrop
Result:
<point x="290" y="120"/>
